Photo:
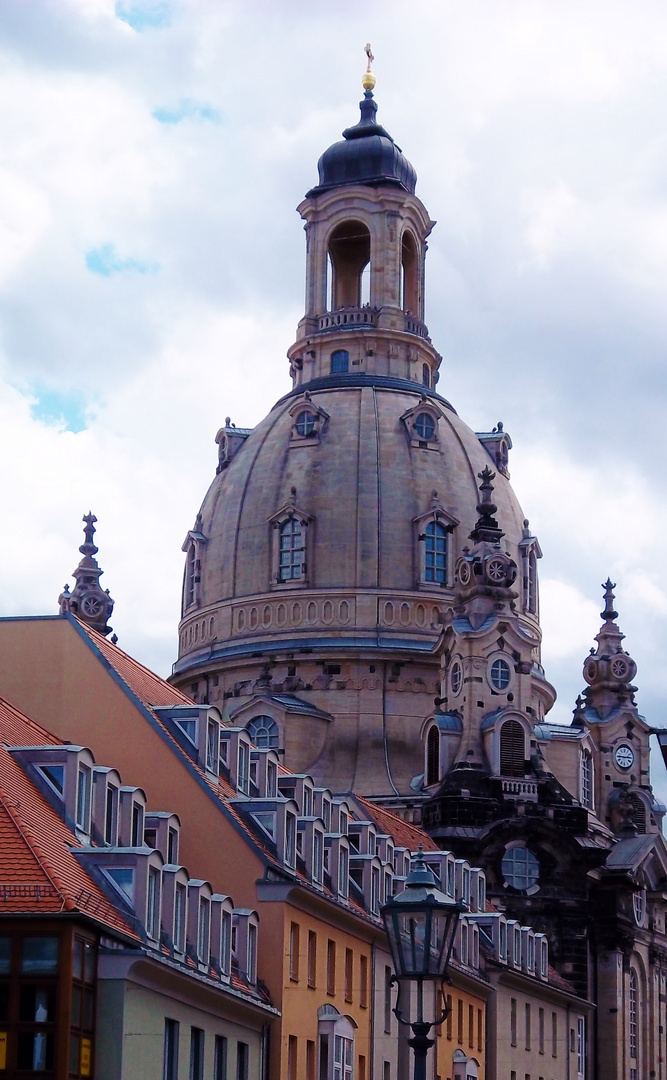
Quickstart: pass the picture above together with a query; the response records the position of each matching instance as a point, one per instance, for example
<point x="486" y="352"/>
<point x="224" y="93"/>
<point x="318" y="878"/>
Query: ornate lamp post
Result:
<point x="421" y="923"/>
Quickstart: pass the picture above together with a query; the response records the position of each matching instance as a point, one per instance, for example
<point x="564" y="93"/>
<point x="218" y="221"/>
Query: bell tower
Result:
<point x="366" y="234"/>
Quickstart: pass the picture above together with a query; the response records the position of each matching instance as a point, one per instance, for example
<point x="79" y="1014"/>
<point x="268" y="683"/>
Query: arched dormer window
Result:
<point x="432" y="756"/>
<point x="263" y="731"/>
<point x="340" y="362"/>
<point x="586" y="779"/>
<point x="190" y="577"/>
<point x="512" y="749"/>
<point x="435" y="553"/>
<point x="337" y="1036"/>
<point x="292" y="551"/>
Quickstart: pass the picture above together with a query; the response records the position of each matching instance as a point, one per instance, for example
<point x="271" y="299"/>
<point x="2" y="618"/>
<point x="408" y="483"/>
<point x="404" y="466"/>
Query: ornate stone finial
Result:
<point x="368" y="81"/>
<point x="88" y="601"/>
<point x="293" y="493"/>
<point x="88" y="546"/>
<point x="487" y="528"/>
<point x="228" y="421"/>
<point x="609" y="614"/>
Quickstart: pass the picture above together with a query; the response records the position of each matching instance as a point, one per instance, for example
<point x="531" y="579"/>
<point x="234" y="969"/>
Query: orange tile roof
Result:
<point x="149" y="687"/>
<point x="404" y="834"/>
<point x="38" y="872"/>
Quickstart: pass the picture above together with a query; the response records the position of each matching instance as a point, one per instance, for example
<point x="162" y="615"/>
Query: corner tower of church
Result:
<point x="323" y="562"/>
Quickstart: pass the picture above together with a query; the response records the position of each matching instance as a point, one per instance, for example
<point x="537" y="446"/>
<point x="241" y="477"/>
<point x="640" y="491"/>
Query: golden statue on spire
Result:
<point x="368" y="80"/>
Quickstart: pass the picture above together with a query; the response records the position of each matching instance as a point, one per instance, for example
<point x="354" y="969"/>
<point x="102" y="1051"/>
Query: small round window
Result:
<point x="500" y="674"/>
<point x="520" y="869"/>
<point x="305" y="423"/>
<point x="456" y="677"/>
<point x="425" y="425"/>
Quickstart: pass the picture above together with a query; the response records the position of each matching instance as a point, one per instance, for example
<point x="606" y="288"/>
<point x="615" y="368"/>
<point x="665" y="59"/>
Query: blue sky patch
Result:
<point x="186" y="109"/>
<point x="59" y="408"/>
<point x="146" y="15"/>
<point x="105" y="260"/>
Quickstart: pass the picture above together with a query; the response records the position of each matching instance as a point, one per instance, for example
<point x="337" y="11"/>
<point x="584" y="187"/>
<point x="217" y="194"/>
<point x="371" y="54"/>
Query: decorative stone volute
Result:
<point x="609" y="669"/>
<point x="88" y="600"/>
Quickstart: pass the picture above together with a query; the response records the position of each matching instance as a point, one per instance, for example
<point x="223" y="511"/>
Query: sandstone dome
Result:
<point x="323" y="561"/>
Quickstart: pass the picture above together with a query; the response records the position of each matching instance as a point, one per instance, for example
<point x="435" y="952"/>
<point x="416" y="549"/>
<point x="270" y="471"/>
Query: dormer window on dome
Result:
<point x="308" y="422"/>
<point x="422" y="424"/>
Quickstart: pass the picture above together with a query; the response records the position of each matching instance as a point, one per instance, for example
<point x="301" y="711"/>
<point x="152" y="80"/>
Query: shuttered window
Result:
<point x="512" y="749"/>
<point x="433" y="756"/>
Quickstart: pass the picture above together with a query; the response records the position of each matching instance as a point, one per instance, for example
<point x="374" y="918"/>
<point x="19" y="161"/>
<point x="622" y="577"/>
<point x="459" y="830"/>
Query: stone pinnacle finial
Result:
<point x="609" y="614"/>
<point x="485" y="508"/>
<point x="368" y="81"/>
<point x="87" y="600"/>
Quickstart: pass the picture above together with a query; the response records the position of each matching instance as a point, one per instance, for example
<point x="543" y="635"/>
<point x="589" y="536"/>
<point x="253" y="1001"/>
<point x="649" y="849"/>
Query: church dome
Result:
<point x="324" y="560"/>
<point x="367" y="154"/>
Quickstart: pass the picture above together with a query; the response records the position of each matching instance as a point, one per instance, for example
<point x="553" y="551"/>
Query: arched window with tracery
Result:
<point x="264" y="732"/>
<point x="433" y="756"/>
<point x="191" y="577"/>
<point x="435" y="553"/>
<point x="292" y="551"/>
<point x="512" y="749"/>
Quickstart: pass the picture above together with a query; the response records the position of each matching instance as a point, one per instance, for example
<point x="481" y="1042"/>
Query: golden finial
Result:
<point x="368" y="80"/>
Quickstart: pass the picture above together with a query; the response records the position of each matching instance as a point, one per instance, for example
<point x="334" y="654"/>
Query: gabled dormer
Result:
<point x="196" y="728"/>
<point x="64" y="775"/>
<point x="162" y="831"/>
<point x="105" y="805"/>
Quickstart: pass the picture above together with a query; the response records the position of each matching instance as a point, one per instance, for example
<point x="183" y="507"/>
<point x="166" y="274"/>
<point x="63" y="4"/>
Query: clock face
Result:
<point x="624" y="757"/>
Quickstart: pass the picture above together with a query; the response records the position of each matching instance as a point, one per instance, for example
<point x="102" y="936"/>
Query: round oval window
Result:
<point x="520" y="868"/>
<point x="500" y="674"/>
<point x="425" y="425"/>
<point x="305" y="423"/>
<point x="456" y="677"/>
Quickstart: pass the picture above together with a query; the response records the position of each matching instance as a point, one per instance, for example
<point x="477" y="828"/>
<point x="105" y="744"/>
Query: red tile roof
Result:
<point x="38" y="872"/>
<point x="404" y="834"/>
<point x="149" y="687"/>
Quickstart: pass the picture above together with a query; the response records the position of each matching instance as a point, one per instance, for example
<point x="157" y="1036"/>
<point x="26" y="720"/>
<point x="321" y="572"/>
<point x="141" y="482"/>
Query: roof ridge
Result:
<point x="25" y="832"/>
<point x="25" y="719"/>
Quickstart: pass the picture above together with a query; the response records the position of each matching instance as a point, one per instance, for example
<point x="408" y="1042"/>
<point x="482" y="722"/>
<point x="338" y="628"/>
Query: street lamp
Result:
<point x="421" y="923"/>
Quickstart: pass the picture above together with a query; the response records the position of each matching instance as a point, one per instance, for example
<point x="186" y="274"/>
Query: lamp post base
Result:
<point x="421" y="1044"/>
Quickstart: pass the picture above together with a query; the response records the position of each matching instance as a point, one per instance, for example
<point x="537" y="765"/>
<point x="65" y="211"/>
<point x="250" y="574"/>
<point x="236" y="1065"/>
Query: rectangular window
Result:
<point x="137" y="825"/>
<point x="343" y="872"/>
<point x="179" y="917"/>
<point x="312" y="958"/>
<point x="386" y="1070"/>
<point x="252" y="953"/>
<point x="172" y="846"/>
<point x="527" y="1026"/>
<point x="111" y="817"/>
<point x="331" y="967"/>
<point x="170" y="1055"/>
<point x="387" y="999"/>
<point x="318" y="849"/>
<point x="226" y="943"/>
<point x="459" y="1023"/>
<point x="362" y="1067"/>
<point x="212" y="747"/>
<point x="349" y="969"/>
<point x="554" y="1034"/>
<point x="540" y="1030"/>
<point x="204" y="930"/>
<point x="450" y="1015"/>
<point x="294" y="951"/>
<point x="291" y="1057"/>
<point x="581" y="1047"/>
<point x="290" y="840"/>
<point x="513" y="1021"/>
<point x="220" y="1058"/>
<point x="153" y="904"/>
<point x="242" y="1056"/>
<point x="363" y="981"/>
<point x="471" y="1026"/>
<point x="271" y="780"/>
<point x="480" y="1029"/>
<point x="83" y="798"/>
<point x="375" y="890"/>
<point x="244" y="768"/>
<point x="196" y="1054"/>
<point x="310" y="1060"/>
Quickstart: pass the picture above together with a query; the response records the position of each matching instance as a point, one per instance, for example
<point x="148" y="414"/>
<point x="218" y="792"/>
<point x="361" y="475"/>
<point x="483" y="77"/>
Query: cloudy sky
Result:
<point x="151" y="273"/>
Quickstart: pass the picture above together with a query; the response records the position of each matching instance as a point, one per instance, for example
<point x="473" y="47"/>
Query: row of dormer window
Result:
<point x="517" y="946"/>
<point x="133" y="855"/>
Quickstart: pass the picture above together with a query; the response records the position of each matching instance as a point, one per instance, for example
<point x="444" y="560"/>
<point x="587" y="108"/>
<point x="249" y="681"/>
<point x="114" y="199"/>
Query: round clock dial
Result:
<point x="624" y="757"/>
